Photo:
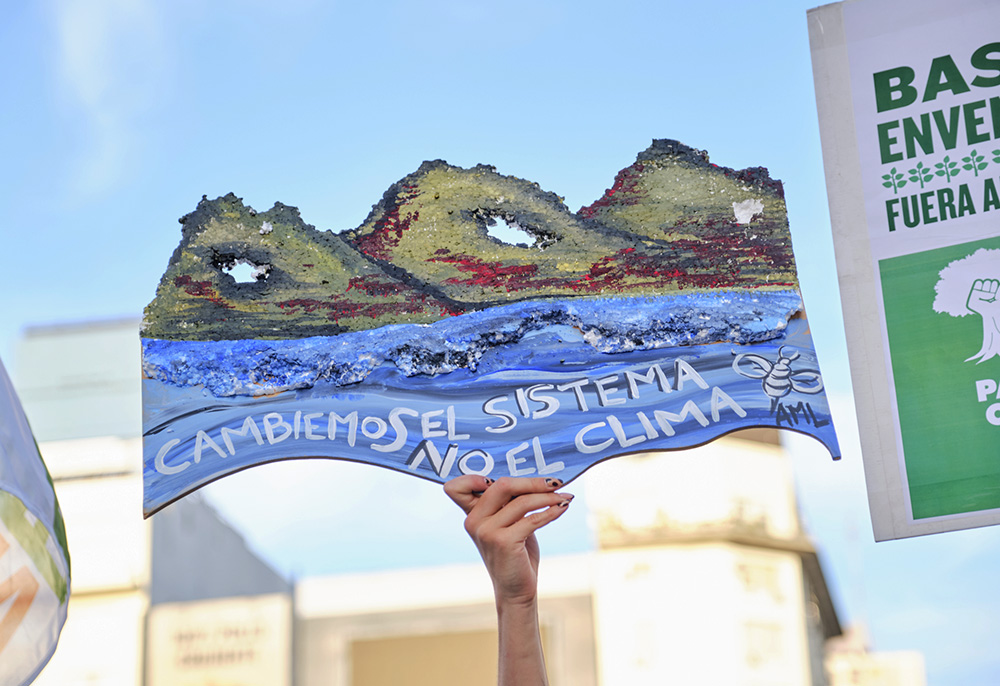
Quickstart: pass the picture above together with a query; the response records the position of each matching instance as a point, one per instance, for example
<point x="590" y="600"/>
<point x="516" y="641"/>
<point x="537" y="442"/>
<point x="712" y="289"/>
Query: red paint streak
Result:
<point x="447" y="310"/>
<point x="305" y="304"/>
<point x="374" y="287"/>
<point x="389" y="228"/>
<point x="201" y="289"/>
<point x="487" y="272"/>
<point x="338" y="307"/>
<point x="376" y="310"/>
<point x="729" y="261"/>
<point x="512" y="277"/>
<point x="626" y="270"/>
<point x="625" y="191"/>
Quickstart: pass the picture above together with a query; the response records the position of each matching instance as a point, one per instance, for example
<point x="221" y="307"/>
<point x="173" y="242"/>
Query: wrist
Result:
<point x="516" y="602"/>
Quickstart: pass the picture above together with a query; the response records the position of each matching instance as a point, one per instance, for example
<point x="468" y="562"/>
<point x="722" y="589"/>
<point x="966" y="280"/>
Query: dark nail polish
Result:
<point x="564" y="503"/>
<point x="554" y="483"/>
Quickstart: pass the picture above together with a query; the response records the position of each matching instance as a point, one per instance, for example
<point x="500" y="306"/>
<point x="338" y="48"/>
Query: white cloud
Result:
<point x="111" y="64"/>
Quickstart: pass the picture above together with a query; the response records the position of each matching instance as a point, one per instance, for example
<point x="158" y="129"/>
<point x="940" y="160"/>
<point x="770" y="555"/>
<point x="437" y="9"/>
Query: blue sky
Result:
<point x="118" y="115"/>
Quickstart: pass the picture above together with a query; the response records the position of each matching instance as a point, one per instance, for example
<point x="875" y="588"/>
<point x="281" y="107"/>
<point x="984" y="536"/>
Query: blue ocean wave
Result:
<point x="252" y="367"/>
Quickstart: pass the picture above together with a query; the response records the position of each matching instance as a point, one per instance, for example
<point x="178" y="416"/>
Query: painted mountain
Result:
<point x="662" y="315"/>
<point x="667" y="225"/>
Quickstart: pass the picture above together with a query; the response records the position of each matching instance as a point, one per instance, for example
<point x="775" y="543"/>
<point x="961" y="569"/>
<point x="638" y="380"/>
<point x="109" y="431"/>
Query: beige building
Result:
<point x="701" y="574"/>
<point x="850" y="662"/>
<point x="80" y="389"/>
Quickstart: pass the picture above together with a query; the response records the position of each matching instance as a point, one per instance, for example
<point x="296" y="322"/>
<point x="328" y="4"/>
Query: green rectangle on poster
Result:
<point x="946" y="391"/>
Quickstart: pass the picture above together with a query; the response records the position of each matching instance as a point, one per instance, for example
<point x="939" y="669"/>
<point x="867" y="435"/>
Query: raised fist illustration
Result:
<point x="955" y="297"/>
<point x="983" y="301"/>
<point x="983" y="297"/>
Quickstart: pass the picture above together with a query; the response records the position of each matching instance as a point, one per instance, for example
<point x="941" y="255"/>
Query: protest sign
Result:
<point x="662" y="316"/>
<point x="909" y="102"/>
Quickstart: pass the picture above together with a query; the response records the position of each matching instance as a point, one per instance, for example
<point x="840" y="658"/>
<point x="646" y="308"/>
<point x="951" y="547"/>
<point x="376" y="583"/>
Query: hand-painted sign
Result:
<point x="34" y="559"/>
<point x="910" y="114"/>
<point x="662" y="316"/>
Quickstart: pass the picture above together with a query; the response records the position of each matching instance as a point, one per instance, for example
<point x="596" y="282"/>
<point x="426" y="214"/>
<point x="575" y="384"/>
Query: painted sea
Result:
<point x="544" y="387"/>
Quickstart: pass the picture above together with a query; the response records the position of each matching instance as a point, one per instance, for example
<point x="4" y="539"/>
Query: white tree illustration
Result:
<point x="971" y="285"/>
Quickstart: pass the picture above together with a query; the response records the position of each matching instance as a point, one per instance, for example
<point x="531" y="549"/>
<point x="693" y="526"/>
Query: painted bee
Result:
<point x="779" y="379"/>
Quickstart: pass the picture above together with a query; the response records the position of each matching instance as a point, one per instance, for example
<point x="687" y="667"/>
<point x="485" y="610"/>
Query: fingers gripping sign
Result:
<point x="502" y="519"/>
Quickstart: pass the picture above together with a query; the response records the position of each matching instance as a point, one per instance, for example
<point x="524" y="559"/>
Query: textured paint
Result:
<point x="424" y="253"/>
<point x="264" y="367"/>
<point x="661" y="316"/>
<point x="549" y="404"/>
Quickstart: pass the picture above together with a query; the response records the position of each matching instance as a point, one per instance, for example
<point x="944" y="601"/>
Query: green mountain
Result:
<point x="672" y="221"/>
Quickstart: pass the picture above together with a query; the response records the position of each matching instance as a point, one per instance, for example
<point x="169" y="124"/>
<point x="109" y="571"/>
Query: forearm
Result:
<point x="521" y="659"/>
<point x="502" y="517"/>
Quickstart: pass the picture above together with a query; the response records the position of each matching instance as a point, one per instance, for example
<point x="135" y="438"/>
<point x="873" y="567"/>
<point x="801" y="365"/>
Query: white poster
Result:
<point x="908" y="93"/>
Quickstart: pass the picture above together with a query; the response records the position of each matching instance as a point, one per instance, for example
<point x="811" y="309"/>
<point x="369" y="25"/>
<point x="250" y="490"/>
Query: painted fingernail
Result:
<point x="564" y="503"/>
<point x="554" y="483"/>
<point x="566" y="496"/>
<point x="489" y="481"/>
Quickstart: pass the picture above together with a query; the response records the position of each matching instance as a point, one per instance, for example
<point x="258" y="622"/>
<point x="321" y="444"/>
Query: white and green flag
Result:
<point x="34" y="562"/>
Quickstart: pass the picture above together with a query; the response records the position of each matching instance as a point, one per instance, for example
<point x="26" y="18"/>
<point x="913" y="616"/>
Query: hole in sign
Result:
<point x="244" y="271"/>
<point x="509" y="232"/>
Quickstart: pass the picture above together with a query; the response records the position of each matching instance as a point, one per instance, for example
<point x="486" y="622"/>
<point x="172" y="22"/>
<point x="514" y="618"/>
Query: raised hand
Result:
<point x="502" y="518"/>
